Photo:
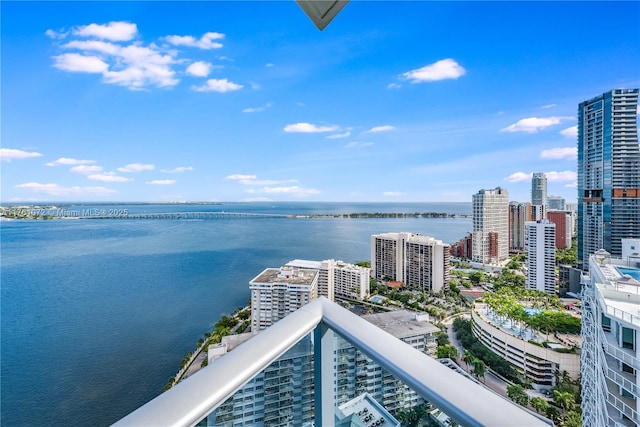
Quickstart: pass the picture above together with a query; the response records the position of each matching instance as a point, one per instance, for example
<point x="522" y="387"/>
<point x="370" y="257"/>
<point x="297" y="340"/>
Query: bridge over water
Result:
<point x="184" y="215"/>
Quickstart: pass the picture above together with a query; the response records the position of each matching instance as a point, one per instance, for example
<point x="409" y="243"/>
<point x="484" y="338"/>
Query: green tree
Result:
<point x="479" y="368"/>
<point x="442" y="338"/>
<point x="539" y="404"/>
<point x="517" y="394"/>
<point x="468" y="358"/>
<point x="572" y="419"/>
<point x="447" y="350"/>
<point x="477" y="277"/>
<point x="565" y="400"/>
<point x="553" y="414"/>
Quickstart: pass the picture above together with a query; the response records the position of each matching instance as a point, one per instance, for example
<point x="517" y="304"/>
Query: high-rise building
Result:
<point x="281" y="395"/>
<point x="420" y="262"/>
<point x="564" y="227"/>
<point x="608" y="173"/>
<point x="463" y="248"/>
<point x="541" y="256"/>
<point x="519" y="213"/>
<point x="555" y="203"/>
<point x="338" y="278"/>
<point x="610" y="356"/>
<point x="356" y="373"/>
<point x="276" y="292"/>
<point x="490" y="225"/>
<point x="539" y="195"/>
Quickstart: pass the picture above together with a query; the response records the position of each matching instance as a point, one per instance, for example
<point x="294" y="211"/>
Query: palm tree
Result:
<point x="479" y="368"/>
<point x="468" y="358"/>
<point x="539" y="404"/>
<point x="564" y="399"/>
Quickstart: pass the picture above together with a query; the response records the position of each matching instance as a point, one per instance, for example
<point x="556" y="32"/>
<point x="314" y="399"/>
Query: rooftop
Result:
<point x="402" y="323"/>
<point x="370" y="412"/>
<point x="288" y="275"/>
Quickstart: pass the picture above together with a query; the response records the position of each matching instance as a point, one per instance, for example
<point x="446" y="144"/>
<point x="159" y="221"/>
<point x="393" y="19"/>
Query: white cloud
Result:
<point x="340" y="135"/>
<point x="519" y="177"/>
<point x="571" y="132"/>
<point x="56" y="34"/>
<point x="377" y="129"/>
<point x="548" y="106"/>
<point x="355" y="144"/>
<point x="76" y="63"/>
<point x="393" y="193"/>
<point x="199" y="69"/>
<point x="258" y="109"/>
<point x="108" y="177"/>
<point x="115" y="31"/>
<point x="8" y="154"/>
<point x="533" y="124"/>
<point x="552" y="176"/>
<point x="205" y="42"/>
<point x="161" y="182"/>
<point x="294" y="190"/>
<point x="309" y="128"/>
<point x="255" y="86"/>
<point x="252" y="180"/>
<point x="217" y="85"/>
<point x="66" y="161"/>
<point x="56" y="190"/>
<point x="94" y="45"/>
<point x="393" y="86"/>
<point x="136" y="167"/>
<point x="142" y="66"/>
<point x="440" y="70"/>
<point x="133" y="66"/>
<point x="570" y="153"/>
<point x="268" y="65"/>
<point x="240" y="177"/>
<point x="85" y="169"/>
<point x="179" y="169"/>
<point x="563" y="176"/>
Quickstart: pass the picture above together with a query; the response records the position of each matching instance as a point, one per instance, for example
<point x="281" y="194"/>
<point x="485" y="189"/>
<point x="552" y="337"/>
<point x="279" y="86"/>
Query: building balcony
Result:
<point x="466" y="402"/>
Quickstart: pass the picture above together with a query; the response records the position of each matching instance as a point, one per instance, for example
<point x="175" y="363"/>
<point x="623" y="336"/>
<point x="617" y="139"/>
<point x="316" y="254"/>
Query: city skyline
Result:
<point x="239" y="101"/>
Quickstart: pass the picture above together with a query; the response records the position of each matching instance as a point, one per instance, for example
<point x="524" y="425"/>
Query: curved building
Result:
<point x="538" y="363"/>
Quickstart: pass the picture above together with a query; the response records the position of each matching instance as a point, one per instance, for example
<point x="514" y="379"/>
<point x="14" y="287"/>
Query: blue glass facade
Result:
<point x="608" y="173"/>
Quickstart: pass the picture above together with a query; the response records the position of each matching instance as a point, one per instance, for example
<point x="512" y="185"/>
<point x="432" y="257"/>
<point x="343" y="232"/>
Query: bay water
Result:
<point x="97" y="314"/>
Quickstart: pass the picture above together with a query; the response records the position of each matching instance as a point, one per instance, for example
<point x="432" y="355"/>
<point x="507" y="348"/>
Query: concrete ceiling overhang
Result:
<point x="321" y="12"/>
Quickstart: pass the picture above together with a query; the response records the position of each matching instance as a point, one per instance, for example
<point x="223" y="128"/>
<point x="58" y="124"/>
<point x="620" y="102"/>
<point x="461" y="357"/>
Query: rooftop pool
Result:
<point x="633" y="272"/>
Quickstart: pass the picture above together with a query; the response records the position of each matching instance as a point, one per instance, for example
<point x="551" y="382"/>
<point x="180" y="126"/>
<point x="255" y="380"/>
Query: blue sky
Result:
<point x="240" y="101"/>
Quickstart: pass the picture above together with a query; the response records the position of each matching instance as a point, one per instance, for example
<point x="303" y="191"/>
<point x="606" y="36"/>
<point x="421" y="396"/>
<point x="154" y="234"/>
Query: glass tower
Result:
<point x="608" y="173"/>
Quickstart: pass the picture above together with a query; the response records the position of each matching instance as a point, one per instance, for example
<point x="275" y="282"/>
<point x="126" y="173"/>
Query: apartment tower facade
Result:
<point x="539" y="195"/>
<point x="277" y="292"/>
<point x="610" y="358"/>
<point x="337" y="278"/>
<point x="541" y="256"/>
<point x="420" y="262"/>
<point x="490" y="225"/>
<point x="608" y="173"/>
<point x="519" y="214"/>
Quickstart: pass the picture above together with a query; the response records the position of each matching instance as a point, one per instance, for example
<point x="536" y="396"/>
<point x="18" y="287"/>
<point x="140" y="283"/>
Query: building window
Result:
<point x="628" y="338"/>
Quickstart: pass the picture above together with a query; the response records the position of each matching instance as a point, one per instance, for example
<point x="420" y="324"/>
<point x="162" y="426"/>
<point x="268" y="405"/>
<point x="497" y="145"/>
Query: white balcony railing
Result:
<point x="465" y="401"/>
